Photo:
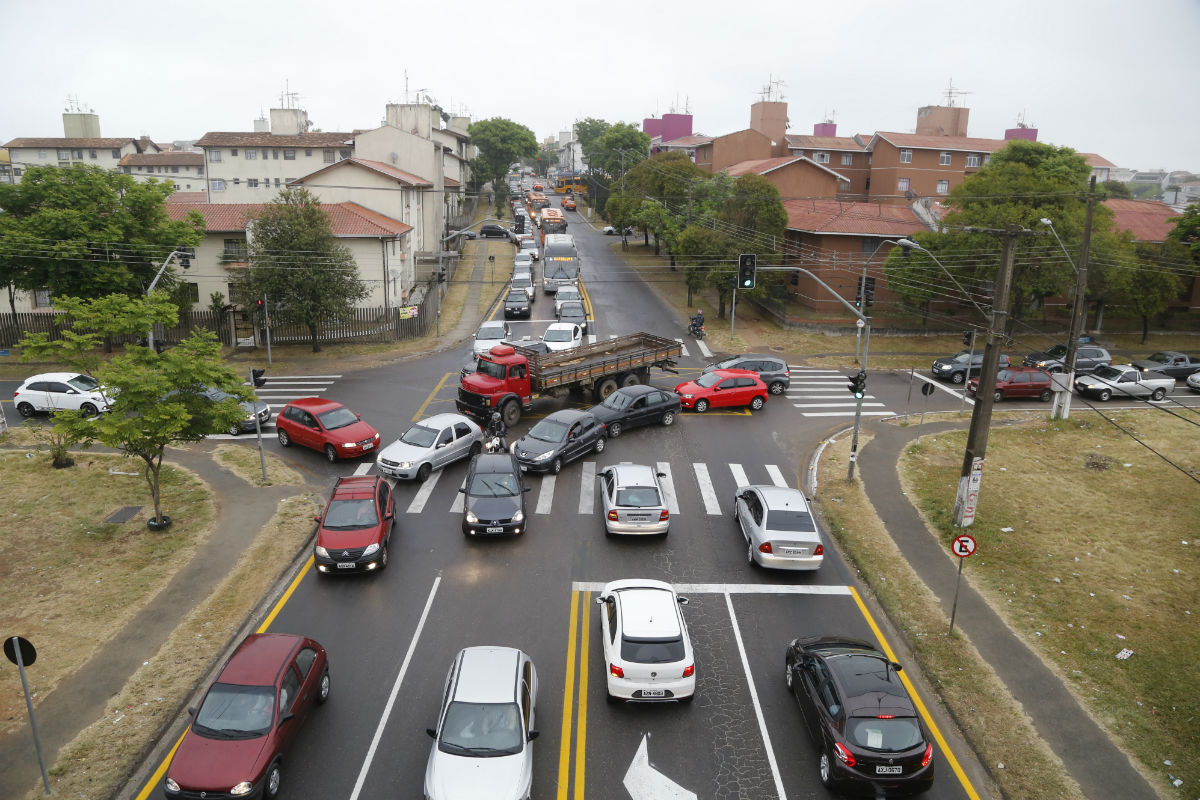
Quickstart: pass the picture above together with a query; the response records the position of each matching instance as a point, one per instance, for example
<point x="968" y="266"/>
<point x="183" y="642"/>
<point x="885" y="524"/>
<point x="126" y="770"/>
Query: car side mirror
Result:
<point x="389" y="515"/>
<point x="432" y="733"/>
<point x="192" y="711"/>
<point x="527" y="489"/>
<point x="533" y="734"/>
<point x="683" y="601"/>
<point x="661" y="474"/>
<point x="358" y="415"/>
<point x="317" y="518"/>
<point x="897" y="667"/>
<point x="462" y="489"/>
<point x="285" y="717"/>
<point x="601" y="600"/>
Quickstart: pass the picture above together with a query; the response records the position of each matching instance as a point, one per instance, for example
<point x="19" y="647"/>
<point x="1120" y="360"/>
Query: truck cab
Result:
<point x="501" y="375"/>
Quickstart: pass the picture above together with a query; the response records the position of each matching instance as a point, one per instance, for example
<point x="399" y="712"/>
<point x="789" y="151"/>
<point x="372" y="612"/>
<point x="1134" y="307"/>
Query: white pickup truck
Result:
<point x="1124" y="381"/>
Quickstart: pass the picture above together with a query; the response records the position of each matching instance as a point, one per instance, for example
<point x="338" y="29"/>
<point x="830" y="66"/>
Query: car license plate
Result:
<point x="654" y="693"/>
<point x="888" y="770"/>
<point x="524" y="468"/>
<point x="368" y="445"/>
<point x="495" y="530"/>
<point x="346" y="565"/>
<point x="793" y="551"/>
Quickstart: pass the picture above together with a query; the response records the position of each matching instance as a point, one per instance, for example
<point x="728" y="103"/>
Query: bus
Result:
<point x="537" y="200"/>
<point x="570" y="184"/>
<point x="560" y="262"/>
<point x="553" y="222"/>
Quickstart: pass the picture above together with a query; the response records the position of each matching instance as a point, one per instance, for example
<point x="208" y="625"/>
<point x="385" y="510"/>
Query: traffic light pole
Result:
<point x="262" y="456"/>
<point x="866" y="328"/>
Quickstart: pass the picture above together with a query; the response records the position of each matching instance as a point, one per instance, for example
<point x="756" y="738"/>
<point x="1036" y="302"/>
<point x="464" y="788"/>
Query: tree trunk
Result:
<point x="657" y="242"/>
<point x="12" y="304"/>
<point x="312" y="331"/>
<point x="720" y="304"/>
<point x="1099" y="317"/>
<point x="153" y="466"/>
<point x="1145" y="328"/>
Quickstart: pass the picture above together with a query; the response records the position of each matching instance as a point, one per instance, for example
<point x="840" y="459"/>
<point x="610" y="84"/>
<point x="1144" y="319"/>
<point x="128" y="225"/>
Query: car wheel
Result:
<point x="668" y="418"/>
<point x="998" y="395"/>
<point x="614" y="430"/>
<point x="89" y="410"/>
<point x="284" y="439"/>
<point x="701" y="406"/>
<point x="274" y="779"/>
<point x="1104" y="395"/>
<point x="825" y="770"/>
<point x="323" y="687"/>
<point x="787" y="674"/>
<point x="330" y="453"/>
<point x="1045" y="395"/>
<point x="234" y="430"/>
<point x="757" y="403"/>
<point x="556" y="467"/>
<point x="25" y="409"/>
<point x="1159" y="394"/>
<point x="750" y="554"/>
<point x="958" y="377"/>
<point x="777" y="387"/>
<point x="423" y="472"/>
<point x="601" y="443"/>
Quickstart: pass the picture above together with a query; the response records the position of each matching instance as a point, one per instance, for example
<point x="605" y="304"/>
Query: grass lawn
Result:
<point x="1089" y="543"/>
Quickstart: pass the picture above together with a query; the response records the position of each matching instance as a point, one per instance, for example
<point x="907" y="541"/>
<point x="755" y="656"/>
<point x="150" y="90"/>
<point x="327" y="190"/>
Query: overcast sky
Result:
<point x="1114" y="77"/>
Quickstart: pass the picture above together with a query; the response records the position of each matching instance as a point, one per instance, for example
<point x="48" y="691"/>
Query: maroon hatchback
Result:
<point x="248" y="719"/>
<point x="1018" y="382"/>
<point x="325" y="426"/>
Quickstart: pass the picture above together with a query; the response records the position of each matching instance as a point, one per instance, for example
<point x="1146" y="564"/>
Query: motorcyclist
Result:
<point x="696" y="322"/>
<point x="496" y="429"/>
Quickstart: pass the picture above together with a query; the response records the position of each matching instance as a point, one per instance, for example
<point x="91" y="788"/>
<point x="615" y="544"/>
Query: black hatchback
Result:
<point x="492" y="231"/>
<point x="516" y="304"/>
<point x="865" y="726"/>
<point x="559" y="438"/>
<point x="633" y="406"/>
<point x="495" y="496"/>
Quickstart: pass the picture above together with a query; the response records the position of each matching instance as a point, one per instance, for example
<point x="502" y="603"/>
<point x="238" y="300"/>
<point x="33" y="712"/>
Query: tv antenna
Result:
<point x="773" y="90"/>
<point x="288" y="98"/>
<point x="953" y="94"/>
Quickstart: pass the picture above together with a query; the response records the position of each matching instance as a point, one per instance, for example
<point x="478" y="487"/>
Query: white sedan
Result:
<point x="490" y="334"/>
<point x="562" y="336"/>
<point x="778" y="527"/>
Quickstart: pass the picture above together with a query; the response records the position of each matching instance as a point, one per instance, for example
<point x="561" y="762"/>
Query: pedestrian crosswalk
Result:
<point x="283" y="389"/>
<point x="554" y="493"/>
<point x="700" y="345"/>
<point x="822" y="393"/>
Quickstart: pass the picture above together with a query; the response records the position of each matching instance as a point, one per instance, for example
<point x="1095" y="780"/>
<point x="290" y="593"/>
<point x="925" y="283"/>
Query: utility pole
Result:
<point x="1062" y="400"/>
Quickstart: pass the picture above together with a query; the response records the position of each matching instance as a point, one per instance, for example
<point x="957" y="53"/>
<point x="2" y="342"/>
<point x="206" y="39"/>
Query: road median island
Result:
<point x="994" y="724"/>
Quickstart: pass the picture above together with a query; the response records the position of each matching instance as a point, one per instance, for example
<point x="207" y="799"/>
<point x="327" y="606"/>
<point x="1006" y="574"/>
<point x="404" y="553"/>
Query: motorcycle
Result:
<point x="495" y="444"/>
<point x="695" y="329"/>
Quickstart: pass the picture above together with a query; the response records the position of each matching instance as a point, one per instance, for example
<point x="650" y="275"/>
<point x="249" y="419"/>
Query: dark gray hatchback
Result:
<point x="561" y="437"/>
<point x="495" y="496"/>
<point x="773" y="370"/>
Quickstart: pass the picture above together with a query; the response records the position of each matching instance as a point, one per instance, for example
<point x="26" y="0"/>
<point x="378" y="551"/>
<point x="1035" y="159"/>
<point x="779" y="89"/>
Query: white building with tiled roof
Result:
<point x="185" y="169"/>
<point x="106" y="153"/>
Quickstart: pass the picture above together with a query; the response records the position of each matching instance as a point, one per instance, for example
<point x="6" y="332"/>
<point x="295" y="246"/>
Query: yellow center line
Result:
<point x="587" y="300"/>
<point x="912" y="692"/>
<point x="564" y="751"/>
<point x="421" y="411"/>
<point x="581" y="719"/>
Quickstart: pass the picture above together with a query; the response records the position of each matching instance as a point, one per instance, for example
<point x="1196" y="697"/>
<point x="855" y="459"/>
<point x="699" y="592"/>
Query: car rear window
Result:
<point x="638" y="497"/>
<point x="789" y="520"/>
<point x="652" y="651"/>
<point x="885" y="735"/>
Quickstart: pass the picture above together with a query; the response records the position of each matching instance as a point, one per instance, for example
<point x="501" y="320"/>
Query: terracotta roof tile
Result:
<point x="194" y="198"/>
<point x="1094" y="160"/>
<point x="62" y="142"/>
<point x="866" y="219"/>
<point x="764" y="165"/>
<point x="374" y="166"/>
<point x="801" y="142"/>
<point x="687" y="141"/>
<point x="927" y="142"/>
<point x="348" y="220"/>
<point x="1145" y="219"/>
<point x="175" y="158"/>
<point x="257" y="139"/>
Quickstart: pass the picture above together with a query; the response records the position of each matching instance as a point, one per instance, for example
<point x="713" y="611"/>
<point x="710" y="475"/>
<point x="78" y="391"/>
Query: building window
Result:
<point x="275" y="153"/>
<point x="214" y="156"/>
<point x="233" y="152"/>
<point x="127" y="170"/>
<point x="289" y="155"/>
<point x="191" y="292"/>
<point x="906" y="156"/>
<point x="175" y="169"/>
<point x="218" y="185"/>
<point x="943" y="159"/>
<point x="41" y="153"/>
<point x="91" y="153"/>
<point x="277" y="183"/>
<point x="344" y="153"/>
<point x="64" y="155"/>
<point x="987" y="159"/>
<point x="328" y="156"/>
<point x="252" y="183"/>
<point x="116" y="153"/>
<point x="41" y="298"/>
<point x="308" y="152"/>
<point x="821" y="158"/>
<point x="251" y="155"/>
<point x="847" y="159"/>
<point x="943" y="187"/>
<point x="973" y="160"/>
<point x="235" y="249"/>
<point x="902" y="184"/>
<point x="77" y="154"/>
<point x="200" y="170"/>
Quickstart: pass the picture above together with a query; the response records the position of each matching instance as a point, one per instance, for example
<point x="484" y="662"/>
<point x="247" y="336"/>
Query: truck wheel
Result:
<point x="511" y="413"/>
<point x="630" y="379"/>
<point x="1105" y="394"/>
<point x="1159" y="394"/>
<point x="606" y="387"/>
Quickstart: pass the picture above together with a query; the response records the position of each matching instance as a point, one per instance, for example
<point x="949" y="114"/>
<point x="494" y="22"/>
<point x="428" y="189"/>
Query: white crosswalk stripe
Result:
<point x="685" y="350"/>
<point x="668" y="487"/>
<point x="546" y="495"/>
<point x="836" y="405"/>
<point x="460" y="499"/>
<point x="704" y="351"/>
<point x="364" y="468"/>
<point x="846" y="414"/>
<point x="776" y="476"/>
<point x="739" y="475"/>
<point x="707" y="494"/>
<point x="591" y="338"/>
<point x="418" y="503"/>
<point x="587" y="487"/>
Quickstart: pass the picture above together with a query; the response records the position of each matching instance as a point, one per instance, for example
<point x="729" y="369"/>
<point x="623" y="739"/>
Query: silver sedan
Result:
<point x="634" y="501"/>
<point x="779" y="528"/>
<point x="430" y="444"/>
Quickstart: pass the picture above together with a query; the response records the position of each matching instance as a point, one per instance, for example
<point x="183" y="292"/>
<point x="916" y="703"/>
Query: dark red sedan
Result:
<point x="356" y="528"/>
<point x="723" y="388"/>
<point x="1018" y="382"/>
<point x="325" y="426"/>
<point x="248" y="719"/>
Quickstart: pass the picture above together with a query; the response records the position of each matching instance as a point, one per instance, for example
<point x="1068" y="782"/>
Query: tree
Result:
<point x="588" y="131"/>
<point x="85" y="232"/>
<point x="618" y="149"/>
<point x="295" y="261"/>
<point x="1115" y="189"/>
<point x="500" y="142"/>
<point x="1147" y="286"/>
<point x="1187" y="230"/>
<point x="709" y="257"/>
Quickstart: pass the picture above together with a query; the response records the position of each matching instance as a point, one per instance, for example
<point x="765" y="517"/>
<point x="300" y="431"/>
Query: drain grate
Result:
<point x="123" y="514"/>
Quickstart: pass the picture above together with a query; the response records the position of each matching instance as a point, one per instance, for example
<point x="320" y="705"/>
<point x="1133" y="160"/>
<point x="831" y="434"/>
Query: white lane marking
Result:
<point x="846" y="414"/>
<point x="364" y="468"/>
<point x="837" y="405"/>
<point x="739" y="475"/>
<point x="422" y="496"/>
<point x="824" y="383"/>
<point x="587" y="488"/>
<point x="733" y="588"/>
<point x="685" y="350"/>
<point x="707" y="494"/>
<point x="273" y="378"/>
<point x="704" y="351"/>
<point x="387" y="709"/>
<point x="668" y="486"/>
<point x="946" y="389"/>
<point x="825" y="396"/>
<point x="546" y="495"/>
<point x="776" y="476"/>
<point x="813" y="371"/>
<point x="758" y="714"/>
<point x="460" y="499"/>
<point x="275" y="384"/>
<point x="591" y="338"/>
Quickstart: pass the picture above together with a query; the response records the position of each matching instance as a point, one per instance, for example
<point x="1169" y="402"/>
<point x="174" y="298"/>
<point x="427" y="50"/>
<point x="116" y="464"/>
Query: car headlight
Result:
<point x="687" y="396"/>
<point x="544" y="456"/>
<point x="471" y="518"/>
<point x="371" y="550"/>
<point x="242" y="788"/>
<point x="349" y="444"/>
<point x="405" y="465"/>
<point x="172" y="786"/>
<point x="321" y="551"/>
<point x="519" y="516"/>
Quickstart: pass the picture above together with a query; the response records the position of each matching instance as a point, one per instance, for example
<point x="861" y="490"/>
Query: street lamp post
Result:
<point x="184" y="262"/>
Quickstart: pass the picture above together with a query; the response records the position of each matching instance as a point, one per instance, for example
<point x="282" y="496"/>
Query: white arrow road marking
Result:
<point x="668" y="486"/>
<point x="422" y="496"/>
<point x="587" y="488"/>
<point x="644" y="782"/>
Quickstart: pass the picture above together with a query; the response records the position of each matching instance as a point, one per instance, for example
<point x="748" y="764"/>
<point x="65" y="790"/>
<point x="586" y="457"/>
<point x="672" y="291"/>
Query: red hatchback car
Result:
<point x="248" y="719"/>
<point x="356" y="527"/>
<point x="722" y="388"/>
<point x="1018" y="382"/>
<point x="327" y="426"/>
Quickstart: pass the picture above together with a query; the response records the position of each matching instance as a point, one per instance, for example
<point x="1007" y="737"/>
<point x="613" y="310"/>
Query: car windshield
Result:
<point x="517" y="298"/>
<point x="84" y="383"/>
<point x="482" y="729"/>
<point x="567" y="294"/>
<point x="548" y="430"/>
<point x="1058" y="351"/>
<point x="1109" y="373"/>
<point x="489" y="368"/>
<point x="337" y="418"/>
<point x="492" y="332"/>
<point x="786" y="519"/>
<point x="885" y="735"/>
<point x="1003" y="375"/>
<point x="962" y="357"/>
<point x="617" y="401"/>
<point x="344" y="515"/>
<point x="419" y="436"/>
<point x="1160" y="358"/>
<point x="728" y="363"/>
<point x="652" y="651"/>
<point x="493" y="484"/>
<point x="231" y="711"/>
<point x="558" y="335"/>
<point x="638" y="497"/>
<point x="709" y="380"/>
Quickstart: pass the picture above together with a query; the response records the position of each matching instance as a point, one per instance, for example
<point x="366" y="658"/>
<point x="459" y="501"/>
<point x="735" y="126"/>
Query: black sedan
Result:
<point x="492" y="231"/>
<point x="559" y="438"/>
<point x="495" y="502"/>
<point x="859" y="715"/>
<point x="516" y="304"/>
<point x="633" y="406"/>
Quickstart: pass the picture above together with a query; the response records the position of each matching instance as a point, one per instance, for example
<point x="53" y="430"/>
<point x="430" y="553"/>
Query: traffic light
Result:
<point x="869" y="293"/>
<point x="858" y="385"/>
<point x="257" y="377"/>
<point x="966" y="337"/>
<point x="858" y="294"/>
<point x="260" y="304"/>
<point x="442" y="275"/>
<point x="747" y="265"/>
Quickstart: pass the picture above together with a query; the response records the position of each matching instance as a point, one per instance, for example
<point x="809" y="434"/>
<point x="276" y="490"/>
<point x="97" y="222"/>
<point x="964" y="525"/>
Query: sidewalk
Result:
<point x="1100" y="768"/>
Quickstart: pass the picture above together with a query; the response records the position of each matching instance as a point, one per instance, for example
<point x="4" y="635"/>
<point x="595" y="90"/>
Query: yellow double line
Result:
<point x="588" y="311"/>
<point x="577" y="639"/>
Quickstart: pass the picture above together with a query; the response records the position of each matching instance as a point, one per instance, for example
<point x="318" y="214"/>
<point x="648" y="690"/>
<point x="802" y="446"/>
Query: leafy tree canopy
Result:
<point x="618" y="149"/>
<point x="500" y="142"/>
<point x="1187" y="230"/>
<point x="588" y="131"/>
<point x="1115" y="189"/>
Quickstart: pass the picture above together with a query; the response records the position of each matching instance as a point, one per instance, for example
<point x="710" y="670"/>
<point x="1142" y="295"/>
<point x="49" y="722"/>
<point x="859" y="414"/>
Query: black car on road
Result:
<point x="516" y="304"/>
<point x="634" y="406"/>
<point x="956" y="368"/>
<point x="493" y="231"/>
<point x="1088" y="358"/>
<point x="869" y="738"/>
<point x="572" y="311"/>
<point x="558" y="439"/>
<point x="495" y="496"/>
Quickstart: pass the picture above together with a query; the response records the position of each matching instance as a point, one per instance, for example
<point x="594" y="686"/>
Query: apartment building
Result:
<point x="794" y="176"/>
<point x="184" y="169"/>
<point x="847" y="155"/>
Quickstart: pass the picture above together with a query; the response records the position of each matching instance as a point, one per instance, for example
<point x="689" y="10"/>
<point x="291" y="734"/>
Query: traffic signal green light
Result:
<point x="747" y="266"/>
<point x="858" y="385"/>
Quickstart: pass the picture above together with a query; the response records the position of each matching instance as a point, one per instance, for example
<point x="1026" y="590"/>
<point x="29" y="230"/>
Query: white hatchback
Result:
<point x="566" y="294"/>
<point x="61" y="391"/>
<point x="562" y="336"/>
<point x="490" y="334"/>
<point x="647" y="651"/>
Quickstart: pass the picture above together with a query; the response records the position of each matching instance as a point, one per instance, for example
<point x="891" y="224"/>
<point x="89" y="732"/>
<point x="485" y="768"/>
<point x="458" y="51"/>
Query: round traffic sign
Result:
<point x="860" y="323"/>
<point x="927" y="389"/>
<point x="28" y="653"/>
<point x="963" y="545"/>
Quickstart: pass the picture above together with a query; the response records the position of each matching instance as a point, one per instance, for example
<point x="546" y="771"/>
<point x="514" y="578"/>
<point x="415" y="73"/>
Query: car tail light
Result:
<point x="664" y="515"/>
<point x="616" y="671"/>
<point x="886" y="716"/>
<point x="689" y="670"/>
<point x="819" y="551"/>
<point x="844" y="755"/>
<point x="765" y="547"/>
<point x="928" y="755"/>
<point x="613" y="515"/>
